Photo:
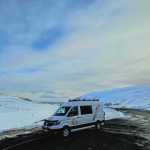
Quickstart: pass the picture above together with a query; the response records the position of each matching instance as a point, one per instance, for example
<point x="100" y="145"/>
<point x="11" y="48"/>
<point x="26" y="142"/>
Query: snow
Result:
<point x="17" y="113"/>
<point x="113" y="114"/>
<point x="130" y="97"/>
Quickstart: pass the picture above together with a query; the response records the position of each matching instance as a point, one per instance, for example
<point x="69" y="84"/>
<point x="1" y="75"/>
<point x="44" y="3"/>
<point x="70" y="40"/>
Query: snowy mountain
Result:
<point x="129" y="97"/>
<point x="20" y="112"/>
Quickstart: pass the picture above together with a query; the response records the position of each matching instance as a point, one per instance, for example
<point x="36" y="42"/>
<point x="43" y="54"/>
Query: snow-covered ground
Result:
<point x="113" y="114"/>
<point x="17" y="113"/>
<point x="130" y="97"/>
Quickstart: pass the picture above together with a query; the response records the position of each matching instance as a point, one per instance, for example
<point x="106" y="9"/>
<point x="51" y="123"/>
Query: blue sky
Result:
<point x="73" y="46"/>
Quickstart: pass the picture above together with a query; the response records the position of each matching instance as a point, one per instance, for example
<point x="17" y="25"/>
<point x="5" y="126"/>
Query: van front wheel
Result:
<point x="98" y="125"/>
<point x="66" y="132"/>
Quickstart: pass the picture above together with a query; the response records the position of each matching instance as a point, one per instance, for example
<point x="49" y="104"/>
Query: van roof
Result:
<point x="83" y="100"/>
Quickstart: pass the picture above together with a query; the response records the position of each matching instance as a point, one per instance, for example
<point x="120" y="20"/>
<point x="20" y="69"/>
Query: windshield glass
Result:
<point x="62" y="111"/>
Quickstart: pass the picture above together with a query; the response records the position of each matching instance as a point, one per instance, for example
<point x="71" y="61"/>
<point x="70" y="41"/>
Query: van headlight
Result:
<point x="51" y="123"/>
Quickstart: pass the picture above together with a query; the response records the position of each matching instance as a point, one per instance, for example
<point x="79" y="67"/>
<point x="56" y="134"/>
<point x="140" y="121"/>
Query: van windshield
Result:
<point x="62" y="111"/>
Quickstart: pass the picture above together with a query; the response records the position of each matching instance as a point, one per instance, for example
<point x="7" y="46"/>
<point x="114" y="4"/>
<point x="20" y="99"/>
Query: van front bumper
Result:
<point x="53" y="129"/>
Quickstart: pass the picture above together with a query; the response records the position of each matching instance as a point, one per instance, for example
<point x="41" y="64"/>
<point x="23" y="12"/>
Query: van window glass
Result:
<point x="73" y="111"/>
<point x="86" y="110"/>
<point x="62" y="111"/>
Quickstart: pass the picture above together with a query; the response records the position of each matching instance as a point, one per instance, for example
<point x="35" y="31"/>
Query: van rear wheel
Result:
<point x="66" y="132"/>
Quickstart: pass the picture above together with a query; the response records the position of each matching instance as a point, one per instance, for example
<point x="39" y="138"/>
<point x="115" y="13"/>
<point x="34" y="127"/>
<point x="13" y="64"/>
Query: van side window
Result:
<point x="73" y="111"/>
<point x="86" y="110"/>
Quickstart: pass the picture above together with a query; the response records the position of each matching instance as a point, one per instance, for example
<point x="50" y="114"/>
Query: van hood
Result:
<point x="54" y="118"/>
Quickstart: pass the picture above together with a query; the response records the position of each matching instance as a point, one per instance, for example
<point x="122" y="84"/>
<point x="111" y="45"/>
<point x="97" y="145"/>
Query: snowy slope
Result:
<point x="17" y="113"/>
<point x="113" y="114"/>
<point x="130" y="97"/>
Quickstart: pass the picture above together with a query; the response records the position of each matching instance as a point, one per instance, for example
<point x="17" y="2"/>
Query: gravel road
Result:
<point x="132" y="133"/>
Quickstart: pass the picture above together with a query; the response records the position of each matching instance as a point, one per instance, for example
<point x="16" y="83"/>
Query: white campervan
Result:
<point x="76" y="115"/>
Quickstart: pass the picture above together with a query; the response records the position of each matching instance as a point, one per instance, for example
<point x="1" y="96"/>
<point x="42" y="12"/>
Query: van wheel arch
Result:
<point x="66" y="131"/>
<point x="98" y="125"/>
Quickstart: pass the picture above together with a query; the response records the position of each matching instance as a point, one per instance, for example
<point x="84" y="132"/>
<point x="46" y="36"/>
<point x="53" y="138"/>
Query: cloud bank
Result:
<point x="73" y="47"/>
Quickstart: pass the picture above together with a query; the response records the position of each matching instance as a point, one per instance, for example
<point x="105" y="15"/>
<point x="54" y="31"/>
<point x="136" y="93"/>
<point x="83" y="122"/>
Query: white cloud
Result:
<point x="107" y="47"/>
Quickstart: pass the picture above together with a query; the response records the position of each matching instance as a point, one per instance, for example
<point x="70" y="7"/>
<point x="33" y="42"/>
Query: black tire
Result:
<point x="103" y="123"/>
<point x="66" y="132"/>
<point x="98" y="125"/>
